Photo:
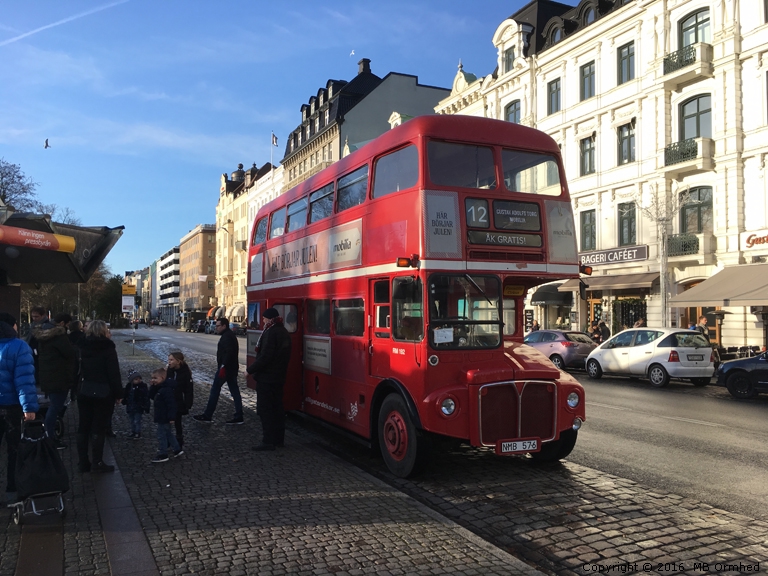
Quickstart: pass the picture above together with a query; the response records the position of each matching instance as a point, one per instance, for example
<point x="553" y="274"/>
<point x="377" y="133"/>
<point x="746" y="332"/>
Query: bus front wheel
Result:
<point x="401" y="444"/>
<point x="557" y="450"/>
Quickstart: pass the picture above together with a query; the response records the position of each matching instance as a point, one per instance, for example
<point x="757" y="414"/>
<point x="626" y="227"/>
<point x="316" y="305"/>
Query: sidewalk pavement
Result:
<point x="222" y="509"/>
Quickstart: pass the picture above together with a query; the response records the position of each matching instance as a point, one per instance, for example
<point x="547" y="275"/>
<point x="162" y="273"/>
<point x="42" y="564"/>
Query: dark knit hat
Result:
<point x="270" y="313"/>
<point x="133" y="375"/>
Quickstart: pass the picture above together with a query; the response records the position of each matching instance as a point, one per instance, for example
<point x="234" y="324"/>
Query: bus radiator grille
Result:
<point x="504" y="415"/>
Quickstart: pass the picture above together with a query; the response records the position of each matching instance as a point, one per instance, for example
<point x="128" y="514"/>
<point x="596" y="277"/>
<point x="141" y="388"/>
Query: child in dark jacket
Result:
<point x="136" y="401"/>
<point x="162" y="391"/>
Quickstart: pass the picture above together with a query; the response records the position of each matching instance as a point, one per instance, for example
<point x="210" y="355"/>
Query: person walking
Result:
<point x="178" y="370"/>
<point x="57" y="364"/>
<point x="535" y="326"/>
<point x="99" y="391"/>
<point x="605" y="332"/>
<point x="228" y="366"/>
<point x="18" y="397"/>
<point x="273" y="352"/>
<point x="702" y="327"/>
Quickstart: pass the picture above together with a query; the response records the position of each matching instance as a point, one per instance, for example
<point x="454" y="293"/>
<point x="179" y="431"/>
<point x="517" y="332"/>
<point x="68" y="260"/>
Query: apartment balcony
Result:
<point x="241" y="245"/>
<point x="689" y="156"/>
<point x="687" y="65"/>
<point x="691" y="249"/>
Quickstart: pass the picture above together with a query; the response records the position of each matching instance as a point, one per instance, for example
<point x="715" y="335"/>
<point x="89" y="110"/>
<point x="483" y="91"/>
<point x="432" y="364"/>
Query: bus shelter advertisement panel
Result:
<point x="337" y="247"/>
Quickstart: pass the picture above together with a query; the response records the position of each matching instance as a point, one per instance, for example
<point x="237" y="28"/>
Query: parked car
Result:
<point x="237" y="328"/>
<point x="744" y="377"/>
<point x="655" y="353"/>
<point x="198" y="326"/>
<point x="162" y="323"/>
<point x="210" y="327"/>
<point x="564" y="348"/>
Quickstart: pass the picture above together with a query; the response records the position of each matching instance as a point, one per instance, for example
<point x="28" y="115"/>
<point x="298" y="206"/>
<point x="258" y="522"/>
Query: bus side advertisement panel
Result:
<point x="337" y="247"/>
<point x="441" y="224"/>
<point x="317" y="354"/>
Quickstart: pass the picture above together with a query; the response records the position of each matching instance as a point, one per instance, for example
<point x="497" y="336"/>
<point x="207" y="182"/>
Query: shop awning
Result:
<point x="220" y="311"/>
<point x="211" y="312"/>
<point x="237" y="311"/>
<point x="548" y="295"/>
<point x="617" y="282"/>
<point x="745" y="285"/>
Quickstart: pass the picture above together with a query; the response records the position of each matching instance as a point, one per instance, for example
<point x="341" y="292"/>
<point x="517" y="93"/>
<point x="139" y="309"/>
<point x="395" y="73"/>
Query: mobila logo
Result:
<point x="343" y="246"/>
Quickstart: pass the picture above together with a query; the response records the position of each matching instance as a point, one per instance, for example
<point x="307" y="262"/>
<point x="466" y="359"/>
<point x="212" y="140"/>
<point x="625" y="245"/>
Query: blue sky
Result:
<point x="147" y="102"/>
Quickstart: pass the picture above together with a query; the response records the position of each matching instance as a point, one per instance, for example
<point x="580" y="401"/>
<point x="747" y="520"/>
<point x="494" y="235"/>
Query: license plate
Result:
<point x="521" y="446"/>
<point x="695" y="357"/>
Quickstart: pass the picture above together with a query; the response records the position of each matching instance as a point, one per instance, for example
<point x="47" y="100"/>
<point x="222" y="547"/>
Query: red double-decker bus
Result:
<point x="401" y="272"/>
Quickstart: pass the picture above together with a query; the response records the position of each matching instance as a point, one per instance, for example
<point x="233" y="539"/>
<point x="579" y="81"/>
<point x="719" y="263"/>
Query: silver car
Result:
<point x="655" y="353"/>
<point x="565" y="348"/>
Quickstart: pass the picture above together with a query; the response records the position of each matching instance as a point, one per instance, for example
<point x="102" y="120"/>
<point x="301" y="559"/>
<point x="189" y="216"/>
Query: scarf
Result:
<point x="267" y="326"/>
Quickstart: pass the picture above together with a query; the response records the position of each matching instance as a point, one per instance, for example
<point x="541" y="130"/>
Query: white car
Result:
<point x="655" y="353"/>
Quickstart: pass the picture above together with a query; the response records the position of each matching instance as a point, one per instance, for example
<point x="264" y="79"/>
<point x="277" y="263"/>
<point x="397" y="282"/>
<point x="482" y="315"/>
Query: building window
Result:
<point x="210" y="285"/>
<point x="588" y="230"/>
<point x="626" y="64"/>
<point x="589" y="17"/>
<point x="512" y="112"/>
<point x="626" y="143"/>
<point x="696" y="215"/>
<point x="556" y="35"/>
<point x="587" y="146"/>
<point x="587" y="75"/>
<point x="627" y="224"/>
<point x="509" y="59"/>
<point x="327" y="116"/>
<point x="553" y="96"/>
<point x="695" y="29"/>
<point x="696" y="117"/>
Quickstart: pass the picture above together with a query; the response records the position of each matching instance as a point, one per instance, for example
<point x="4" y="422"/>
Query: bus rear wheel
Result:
<point x="557" y="450"/>
<point x="402" y="446"/>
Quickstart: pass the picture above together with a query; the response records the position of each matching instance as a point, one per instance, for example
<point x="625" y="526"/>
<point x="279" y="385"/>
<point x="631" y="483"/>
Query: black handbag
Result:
<point x="94" y="390"/>
<point x="39" y="469"/>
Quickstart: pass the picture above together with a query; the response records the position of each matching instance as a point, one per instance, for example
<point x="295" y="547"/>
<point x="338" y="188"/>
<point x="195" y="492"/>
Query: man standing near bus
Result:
<point x="226" y="359"/>
<point x="269" y="370"/>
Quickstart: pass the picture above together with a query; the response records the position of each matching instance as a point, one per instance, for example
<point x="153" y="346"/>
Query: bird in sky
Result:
<point x="352" y="53"/>
<point x="46" y="144"/>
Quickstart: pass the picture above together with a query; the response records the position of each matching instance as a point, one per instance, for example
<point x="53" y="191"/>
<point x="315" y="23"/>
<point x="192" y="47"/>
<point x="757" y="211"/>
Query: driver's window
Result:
<point x="407" y="309"/>
<point x="548" y="337"/>
<point x="623" y="340"/>
<point x="533" y="337"/>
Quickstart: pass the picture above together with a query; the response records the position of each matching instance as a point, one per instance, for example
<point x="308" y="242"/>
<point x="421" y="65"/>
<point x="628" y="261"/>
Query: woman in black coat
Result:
<point x="179" y="370"/>
<point x="100" y="389"/>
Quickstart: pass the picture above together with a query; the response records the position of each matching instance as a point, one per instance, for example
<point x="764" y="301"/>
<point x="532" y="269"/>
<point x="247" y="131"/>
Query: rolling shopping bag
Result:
<point x="39" y="469"/>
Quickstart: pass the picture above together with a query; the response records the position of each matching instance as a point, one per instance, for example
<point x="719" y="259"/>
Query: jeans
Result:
<point x="55" y="408"/>
<point x="136" y="422"/>
<point x="166" y="438"/>
<point x="213" y="399"/>
<point x="10" y="427"/>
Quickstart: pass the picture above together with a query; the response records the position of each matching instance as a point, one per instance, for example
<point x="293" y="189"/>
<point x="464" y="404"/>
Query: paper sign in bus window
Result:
<point x="443" y="335"/>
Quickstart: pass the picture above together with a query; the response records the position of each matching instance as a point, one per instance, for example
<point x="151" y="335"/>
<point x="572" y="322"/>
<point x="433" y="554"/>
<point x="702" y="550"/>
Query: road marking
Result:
<point x="677" y="418"/>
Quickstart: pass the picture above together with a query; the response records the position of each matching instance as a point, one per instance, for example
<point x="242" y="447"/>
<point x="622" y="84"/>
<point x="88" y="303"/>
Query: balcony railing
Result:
<point x="680" y="59"/>
<point x="681" y="151"/>
<point x="682" y="244"/>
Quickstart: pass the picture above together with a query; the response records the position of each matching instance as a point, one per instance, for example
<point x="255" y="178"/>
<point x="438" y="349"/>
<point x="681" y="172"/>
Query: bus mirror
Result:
<point x="582" y="290"/>
<point x="585" y="269"/>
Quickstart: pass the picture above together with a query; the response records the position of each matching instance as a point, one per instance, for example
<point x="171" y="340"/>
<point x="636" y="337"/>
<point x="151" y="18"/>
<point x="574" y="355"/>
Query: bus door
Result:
<point x="290" y="312"/>
<point x="407" y="320"/>
<point x="379" y="326"/>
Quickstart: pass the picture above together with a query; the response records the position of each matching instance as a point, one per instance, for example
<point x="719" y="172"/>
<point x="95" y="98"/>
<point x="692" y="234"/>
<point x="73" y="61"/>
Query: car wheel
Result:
<point x="593" y="369"/>
<point x="699" y="382"/>
<point x="658" y="376"/>
<point x="557" y="360"/>
<point x="740" y="387"/>
<point x="557" y="450"/>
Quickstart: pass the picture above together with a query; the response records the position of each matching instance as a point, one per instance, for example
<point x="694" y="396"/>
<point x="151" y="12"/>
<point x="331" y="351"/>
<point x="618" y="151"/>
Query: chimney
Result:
<point x="364" y="66"/>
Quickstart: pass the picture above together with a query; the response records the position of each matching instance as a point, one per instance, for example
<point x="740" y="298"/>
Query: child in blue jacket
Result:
<point x="162" y="391"/>
<point x="136" y="401"/>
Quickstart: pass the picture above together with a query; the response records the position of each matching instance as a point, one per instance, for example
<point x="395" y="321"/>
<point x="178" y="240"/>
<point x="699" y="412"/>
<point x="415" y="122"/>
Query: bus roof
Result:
<point x="447" y="127"/>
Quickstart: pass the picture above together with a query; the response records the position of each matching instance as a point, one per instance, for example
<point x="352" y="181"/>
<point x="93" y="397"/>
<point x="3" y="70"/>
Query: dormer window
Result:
<point x="589" y="16"/>
<point x="557" y="35"/>
<point x="327" y="116"/>
<point x="509" y="59"/>
<point x="317" y="124"/>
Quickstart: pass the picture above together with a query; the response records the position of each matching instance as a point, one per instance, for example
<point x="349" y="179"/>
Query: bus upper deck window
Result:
<point x="321" y="203"/>
<point x="464" y="165"/>
<point x="297" y="215"/>
<point x="396" y="171"/>
<point x="261" y="231"/>
<point x="353" y="188"/>
<point x="278" y="223"/>
<point x="530" y="173"/>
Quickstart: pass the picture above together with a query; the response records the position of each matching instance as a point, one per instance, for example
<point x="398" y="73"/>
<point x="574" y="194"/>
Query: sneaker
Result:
<point x="235" y="421"/>
<point x="100" y="467"/>
<point x="160" y="458"/>
<point x="202" y="418"/>
<point x="177" y="453"/>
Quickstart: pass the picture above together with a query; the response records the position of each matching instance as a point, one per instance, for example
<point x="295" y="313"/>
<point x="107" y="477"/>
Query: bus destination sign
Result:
<point x="503" y="239"/>
<point x="516" y="215"/>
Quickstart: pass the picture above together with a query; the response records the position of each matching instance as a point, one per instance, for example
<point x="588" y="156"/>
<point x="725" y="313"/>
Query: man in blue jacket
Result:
<point x="18" y="397"/>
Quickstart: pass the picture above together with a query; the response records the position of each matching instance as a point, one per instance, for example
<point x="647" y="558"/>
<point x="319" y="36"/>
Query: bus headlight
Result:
<point x="448" y="406"/>
<point x="573" y="399"/>
<point x="577" y="422"/>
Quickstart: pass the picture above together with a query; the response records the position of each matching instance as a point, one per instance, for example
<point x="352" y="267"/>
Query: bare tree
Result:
<point x="16" y="189"/>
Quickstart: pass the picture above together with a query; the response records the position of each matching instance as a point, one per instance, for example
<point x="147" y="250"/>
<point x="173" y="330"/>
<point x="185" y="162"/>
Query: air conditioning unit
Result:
<point x="241" y="245"/>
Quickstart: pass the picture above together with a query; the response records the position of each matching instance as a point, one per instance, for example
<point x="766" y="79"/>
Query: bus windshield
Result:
<point x="464" y="311"/>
